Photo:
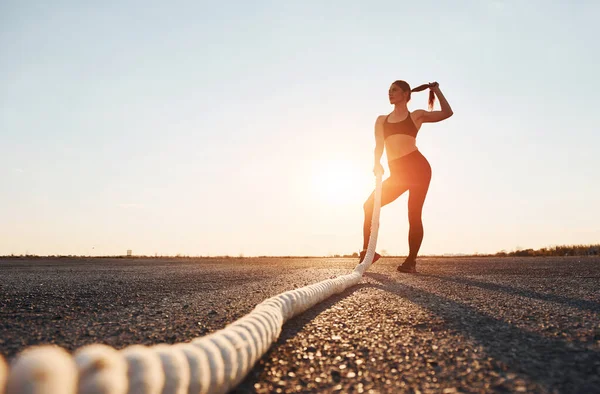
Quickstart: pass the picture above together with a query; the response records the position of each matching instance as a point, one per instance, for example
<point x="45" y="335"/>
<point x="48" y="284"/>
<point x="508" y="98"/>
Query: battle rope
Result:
<point x="215" y="363"/>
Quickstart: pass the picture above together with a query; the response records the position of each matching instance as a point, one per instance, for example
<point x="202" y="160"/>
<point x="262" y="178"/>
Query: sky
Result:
<point x="246" y="128"/>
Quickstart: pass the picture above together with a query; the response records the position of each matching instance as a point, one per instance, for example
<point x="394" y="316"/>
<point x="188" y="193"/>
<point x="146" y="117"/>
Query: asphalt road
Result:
<point x="460" y="325"/>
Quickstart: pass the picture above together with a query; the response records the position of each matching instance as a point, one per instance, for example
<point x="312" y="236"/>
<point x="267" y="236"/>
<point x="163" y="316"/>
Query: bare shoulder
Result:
<point x="379" y="121"/>
<point x="379" y="125"/>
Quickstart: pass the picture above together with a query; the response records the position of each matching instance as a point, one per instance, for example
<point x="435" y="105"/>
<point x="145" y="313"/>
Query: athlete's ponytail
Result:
<point x="406" y="87"/>
<point x="431" y="94"/>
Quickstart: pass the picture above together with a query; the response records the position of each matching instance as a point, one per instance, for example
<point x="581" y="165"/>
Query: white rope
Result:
<point x="144" y="370"/>
<point x="3" y="373"/>
<point x="102" y="369"/>
<point x="175" y="367"/>
<point x="215" y="363"/>
<point x="42" y="370"/>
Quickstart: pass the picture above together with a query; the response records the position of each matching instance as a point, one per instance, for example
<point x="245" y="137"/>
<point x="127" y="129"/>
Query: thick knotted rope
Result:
<point x="215" y="363"/>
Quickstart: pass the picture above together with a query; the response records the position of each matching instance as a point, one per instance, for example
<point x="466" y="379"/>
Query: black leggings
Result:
<point x="413" y="173"/>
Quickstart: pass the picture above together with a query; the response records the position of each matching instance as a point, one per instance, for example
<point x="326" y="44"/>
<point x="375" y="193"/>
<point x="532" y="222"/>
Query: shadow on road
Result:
<point x="296" y="324"/>
<point x="574" y="302"/>
<point x="547" y="361"/>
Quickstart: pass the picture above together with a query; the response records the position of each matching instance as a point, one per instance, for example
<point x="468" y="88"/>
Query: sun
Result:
<point x="337" y="182"/>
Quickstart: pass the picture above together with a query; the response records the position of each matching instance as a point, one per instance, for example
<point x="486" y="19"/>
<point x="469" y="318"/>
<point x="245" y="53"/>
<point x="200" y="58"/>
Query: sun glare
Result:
<point x="337" y="182"/>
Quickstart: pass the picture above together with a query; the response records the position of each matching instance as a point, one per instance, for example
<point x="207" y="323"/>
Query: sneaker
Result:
<point x="364" y="253"/>
<point x="408" y="267"/>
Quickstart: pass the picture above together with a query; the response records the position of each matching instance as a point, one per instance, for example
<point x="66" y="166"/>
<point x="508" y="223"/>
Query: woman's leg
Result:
<point x="416" y="199"/>
<point x="391" y="189"/>
<point x="419" y="185"/>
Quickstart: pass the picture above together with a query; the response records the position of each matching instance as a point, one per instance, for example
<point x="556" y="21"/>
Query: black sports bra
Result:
<point x="406" y="127"/>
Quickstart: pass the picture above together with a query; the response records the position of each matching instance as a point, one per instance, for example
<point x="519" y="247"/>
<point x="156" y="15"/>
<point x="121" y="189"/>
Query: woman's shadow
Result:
<point x="548" y="361"/>
<point x="569" y="301"/>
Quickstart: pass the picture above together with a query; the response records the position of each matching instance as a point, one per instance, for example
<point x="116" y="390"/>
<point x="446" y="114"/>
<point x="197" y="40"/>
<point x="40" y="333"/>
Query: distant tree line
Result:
<point x="563" y="250"/>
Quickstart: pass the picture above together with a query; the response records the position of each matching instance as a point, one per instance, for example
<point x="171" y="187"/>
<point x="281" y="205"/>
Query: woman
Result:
<point x="409" y="169"/>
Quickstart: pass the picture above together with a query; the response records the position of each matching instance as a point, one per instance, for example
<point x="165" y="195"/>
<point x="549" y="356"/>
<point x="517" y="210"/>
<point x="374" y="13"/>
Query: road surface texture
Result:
<point x="470" y="325"/>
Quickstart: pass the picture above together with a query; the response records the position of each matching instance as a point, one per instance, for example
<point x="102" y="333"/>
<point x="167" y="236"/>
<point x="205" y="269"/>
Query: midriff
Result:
<point x="399" y="145"/>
